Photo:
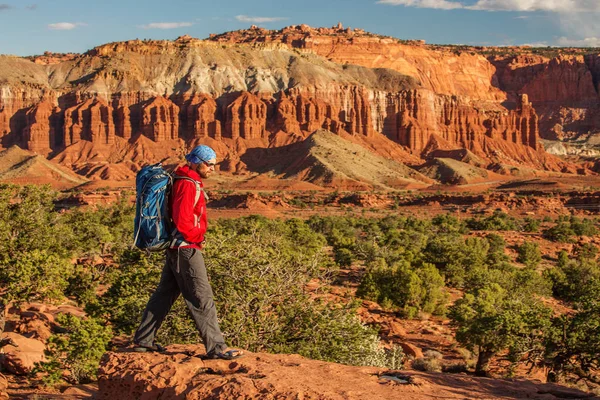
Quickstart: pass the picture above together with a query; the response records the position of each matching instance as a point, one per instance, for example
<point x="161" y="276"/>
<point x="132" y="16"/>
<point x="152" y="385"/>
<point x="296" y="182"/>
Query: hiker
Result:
<point x="184" y="271"/>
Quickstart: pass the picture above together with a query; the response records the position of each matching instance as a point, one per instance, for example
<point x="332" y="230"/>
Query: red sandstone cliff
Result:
<point x="251" y="88"/>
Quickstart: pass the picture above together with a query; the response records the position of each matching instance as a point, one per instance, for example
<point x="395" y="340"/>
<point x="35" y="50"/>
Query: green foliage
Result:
<point x="583" y="227"/>
<point x="561" y="232"/>
<point x="498" y="221"/>
<point x="529" y="254"/>
<point x="409" y="289"/>
<point x="78" y="350"/>
<point x="573" y="280"/>
<point x="492" y="320"/>
<point x="531" y="225"/>
<point x="35" y="275"/>
<point x="568" y="227"/>
<point x="126" y="298"/>
<point x="29" y="222"/>
<point x="106" y="229"/>
<point x="573" y="342"/>
<point x="586" y="251"/>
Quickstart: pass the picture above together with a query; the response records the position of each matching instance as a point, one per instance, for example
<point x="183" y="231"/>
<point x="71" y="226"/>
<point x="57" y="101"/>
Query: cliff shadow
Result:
<point x="274" y="159"/>
<point x="16" y="125"/>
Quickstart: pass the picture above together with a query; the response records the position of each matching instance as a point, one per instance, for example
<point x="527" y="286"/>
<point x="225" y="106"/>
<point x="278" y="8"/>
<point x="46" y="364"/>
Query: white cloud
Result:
<point x="5" y="7"/>
<point x="587" y="42"/>
<point x="439" y="4"/>
<point x="31" y="7"/>
<point x="65" y="26"/>
<point x="259" y="20"/>
<point x="166" y="25"/>
<point x="504" y="5"/>
<point x="537" y="5"/>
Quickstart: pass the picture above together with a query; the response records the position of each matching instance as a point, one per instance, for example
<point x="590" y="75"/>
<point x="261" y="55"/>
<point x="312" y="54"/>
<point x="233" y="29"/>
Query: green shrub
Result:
<point x="573" y="342"/>
<point x="531" y="225"/>
<point x="561" y="232"/>
<point x="408" y="289"/>
<point x="344" y="257"/>
<point x="583" y="227"/>
<point x="529" y="254"/>
<point x="572" y="280"/>
<point x="586" y="251"/>
<point x="498" y="221"/>
<point x="78" y="350"/>
<point x="35" y="275"/>
<point x="493" y="319"/>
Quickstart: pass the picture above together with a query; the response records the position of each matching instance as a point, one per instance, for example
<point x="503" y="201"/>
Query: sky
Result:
<point x="30" y="27"/>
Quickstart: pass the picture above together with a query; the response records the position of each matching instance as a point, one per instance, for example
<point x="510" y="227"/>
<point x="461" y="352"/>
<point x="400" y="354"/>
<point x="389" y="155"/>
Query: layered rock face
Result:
<point x="39" y="134"/>
<point x="417" y="116"/>
<point x="563" y="88"/>
<point x="91" y="120"/>
<point x="160" y="119"/>
<point x="252" y="85"/>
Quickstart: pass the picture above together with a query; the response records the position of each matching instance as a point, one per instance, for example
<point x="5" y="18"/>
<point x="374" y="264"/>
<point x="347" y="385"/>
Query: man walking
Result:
<point x="184" y="271"/>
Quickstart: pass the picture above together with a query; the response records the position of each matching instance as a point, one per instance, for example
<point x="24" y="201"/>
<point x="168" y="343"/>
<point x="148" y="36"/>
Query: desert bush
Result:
<point x="102" y="230"/>
<point x="493" y="319"/>
<point x="78" y="350"/>
<point x="498" y="221"/>
<point x="529" y="254"/>
<point x="35" y="275"/>
<point x="430" y="362"/>
<point x="531" y="225"/>
<point x="28" y="222"/>
<point x="583" y="227"/>
<point x="573" y="342"/>
<point x="572" y="280"/>
<point x="448" y="223"/>
<point x="586" y="251"/>
<point x="405" y="288"/>
<point x="561" y="232"/>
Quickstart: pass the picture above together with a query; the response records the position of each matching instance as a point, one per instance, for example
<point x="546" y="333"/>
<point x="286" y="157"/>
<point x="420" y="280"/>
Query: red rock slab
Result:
<point x="178" y="374"/>
<point x="21" y="359"/>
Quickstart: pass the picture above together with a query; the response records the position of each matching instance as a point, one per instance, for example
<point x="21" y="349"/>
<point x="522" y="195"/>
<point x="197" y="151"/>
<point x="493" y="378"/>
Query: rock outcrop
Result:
<point x="20" y="357"/>
<point x="39" y="133"/>
<point x="201" y="117"/>
<point x="246" y="117"/>
<point x="160" y="119"/>
<point x="180" y="374"/>
<point x="91" y="120"/>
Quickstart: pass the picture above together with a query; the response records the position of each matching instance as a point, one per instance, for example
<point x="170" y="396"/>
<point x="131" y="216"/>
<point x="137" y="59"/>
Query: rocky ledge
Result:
<point x="181" y="374"/>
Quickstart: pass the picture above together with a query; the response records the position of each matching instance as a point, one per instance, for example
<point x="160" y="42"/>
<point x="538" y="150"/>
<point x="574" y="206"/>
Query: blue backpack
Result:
<point x="152" y="224"/>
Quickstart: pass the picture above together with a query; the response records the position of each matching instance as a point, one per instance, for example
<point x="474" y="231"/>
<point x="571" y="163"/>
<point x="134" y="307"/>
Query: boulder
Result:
<point x="411" y="350"/>
<point x="20" y="357"/>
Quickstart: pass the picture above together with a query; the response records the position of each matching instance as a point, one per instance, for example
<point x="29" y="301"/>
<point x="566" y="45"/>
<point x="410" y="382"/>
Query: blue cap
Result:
<point x="200" y="154"/>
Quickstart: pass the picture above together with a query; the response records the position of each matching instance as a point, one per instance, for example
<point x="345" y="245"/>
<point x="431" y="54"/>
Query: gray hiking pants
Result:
<point x="184" y="272"/>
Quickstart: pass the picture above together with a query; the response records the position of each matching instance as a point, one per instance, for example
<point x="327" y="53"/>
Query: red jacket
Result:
<point x="190" y="221"/>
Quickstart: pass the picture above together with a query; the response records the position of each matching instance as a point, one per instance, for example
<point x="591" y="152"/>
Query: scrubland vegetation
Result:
<point x="263" y="273"/>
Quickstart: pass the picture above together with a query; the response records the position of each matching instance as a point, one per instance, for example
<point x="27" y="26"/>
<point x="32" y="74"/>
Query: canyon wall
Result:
<point x="252" y="85"/>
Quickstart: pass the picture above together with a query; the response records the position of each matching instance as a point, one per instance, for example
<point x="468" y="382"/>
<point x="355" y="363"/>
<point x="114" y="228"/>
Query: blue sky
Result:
<point x="30" y="27"/>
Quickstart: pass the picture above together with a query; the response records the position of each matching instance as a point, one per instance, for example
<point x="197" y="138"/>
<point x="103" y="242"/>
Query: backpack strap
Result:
<point x="177" y="239"/>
